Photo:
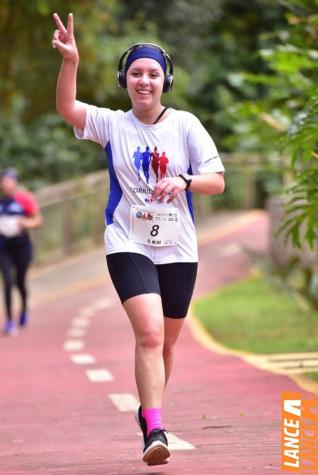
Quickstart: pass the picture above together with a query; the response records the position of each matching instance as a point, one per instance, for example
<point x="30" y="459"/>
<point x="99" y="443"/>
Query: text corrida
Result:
<point x="299" y="426"/>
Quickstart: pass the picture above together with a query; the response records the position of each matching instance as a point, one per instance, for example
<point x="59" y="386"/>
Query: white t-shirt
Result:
<point x="138" y="156"/>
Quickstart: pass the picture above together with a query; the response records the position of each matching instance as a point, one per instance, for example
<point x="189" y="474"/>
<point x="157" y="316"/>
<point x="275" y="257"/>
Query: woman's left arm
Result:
<point x="31" y="222"/>
<point x="206" y="183"/>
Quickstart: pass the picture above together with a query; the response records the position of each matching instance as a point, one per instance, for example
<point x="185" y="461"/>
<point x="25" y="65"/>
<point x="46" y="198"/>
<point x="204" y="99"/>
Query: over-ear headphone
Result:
<point x="121" y="74"/>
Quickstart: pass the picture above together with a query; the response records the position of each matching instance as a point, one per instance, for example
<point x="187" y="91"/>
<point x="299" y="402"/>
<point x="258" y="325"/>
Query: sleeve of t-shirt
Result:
<point x="204" y="157"/>
<point x="97" y="125"/>
<point x="27" y="201"/>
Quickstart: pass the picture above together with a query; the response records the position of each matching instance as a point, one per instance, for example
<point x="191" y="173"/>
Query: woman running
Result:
<point x="19" y="212"/>
<point x="150" y="238"/>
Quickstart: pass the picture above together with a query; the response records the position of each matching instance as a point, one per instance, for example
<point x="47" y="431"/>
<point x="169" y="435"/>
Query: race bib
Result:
<point x="9" y="226"/>
<point x="154" y="225"/>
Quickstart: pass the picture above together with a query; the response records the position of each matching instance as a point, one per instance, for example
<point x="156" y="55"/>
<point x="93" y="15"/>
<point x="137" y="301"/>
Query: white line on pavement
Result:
<point x="83" y="358"/>
<point x="76" y="332"/>
<point x="103" y="303"/>
<point x="99" y="375"/>
<point x="73" y="345"/>
<point x="87" y="312"/>
<point x="175" y="443"/>
<point x="80" y="322"/>
<point x="124" y="401"/>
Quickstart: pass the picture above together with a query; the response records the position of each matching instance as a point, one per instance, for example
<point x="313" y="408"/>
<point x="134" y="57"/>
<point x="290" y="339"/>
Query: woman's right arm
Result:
<point x="72" y="110"/>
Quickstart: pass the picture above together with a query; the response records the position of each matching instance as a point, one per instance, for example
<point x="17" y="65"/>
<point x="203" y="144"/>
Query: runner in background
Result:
<point x="150" y="238"/>
<point x="19" y="212"/>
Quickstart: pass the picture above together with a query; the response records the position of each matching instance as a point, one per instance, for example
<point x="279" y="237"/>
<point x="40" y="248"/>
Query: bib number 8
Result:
<point x="154" y="230"/>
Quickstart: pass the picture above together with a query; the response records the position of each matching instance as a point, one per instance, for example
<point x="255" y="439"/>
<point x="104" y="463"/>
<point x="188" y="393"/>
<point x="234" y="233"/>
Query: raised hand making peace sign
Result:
<point x="63" y="38"/>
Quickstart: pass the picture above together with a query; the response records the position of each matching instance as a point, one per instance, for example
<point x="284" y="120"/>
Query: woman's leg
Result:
<point x="173" y="328"/>
<point x="135" y="278"/>
<point x="146" y="317"/>
<point x="176" y="284"/>
<point x="22" y="258"/>
<point x="6" y="271"/>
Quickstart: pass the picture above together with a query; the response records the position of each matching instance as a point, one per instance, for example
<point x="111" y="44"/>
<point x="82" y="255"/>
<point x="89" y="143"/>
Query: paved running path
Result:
<point x="59" y="417"/>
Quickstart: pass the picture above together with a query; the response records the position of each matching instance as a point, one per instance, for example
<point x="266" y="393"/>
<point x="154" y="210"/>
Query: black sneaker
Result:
<point x="141" y="421"/>
<point x="156" y="450"/>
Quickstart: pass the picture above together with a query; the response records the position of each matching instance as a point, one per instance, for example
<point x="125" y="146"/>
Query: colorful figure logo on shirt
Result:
<point x="163" y="160"/>
<point x="146" y="158"/>
<point x="155" y="162"/>
<point x="137" y="156"/>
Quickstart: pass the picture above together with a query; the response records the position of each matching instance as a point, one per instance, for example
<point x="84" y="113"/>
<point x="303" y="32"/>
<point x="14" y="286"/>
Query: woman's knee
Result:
<point x="150" y="338"/>
<point x="145" y="315"/>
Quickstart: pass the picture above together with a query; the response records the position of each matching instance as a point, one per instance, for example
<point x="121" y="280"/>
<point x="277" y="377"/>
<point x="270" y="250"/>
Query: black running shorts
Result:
<point x="135" y="274"/>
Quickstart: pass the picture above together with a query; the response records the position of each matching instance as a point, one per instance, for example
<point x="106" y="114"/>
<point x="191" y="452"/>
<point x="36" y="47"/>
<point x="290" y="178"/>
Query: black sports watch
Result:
<point x="187" y="178"/>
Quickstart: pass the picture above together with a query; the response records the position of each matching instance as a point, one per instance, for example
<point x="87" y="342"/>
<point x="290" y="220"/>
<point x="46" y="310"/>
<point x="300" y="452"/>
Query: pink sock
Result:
<point x="153" y="419"/>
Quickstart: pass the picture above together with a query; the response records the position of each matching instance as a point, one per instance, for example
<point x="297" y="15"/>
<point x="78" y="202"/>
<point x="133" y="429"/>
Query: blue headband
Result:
<point x="146" y="52"/>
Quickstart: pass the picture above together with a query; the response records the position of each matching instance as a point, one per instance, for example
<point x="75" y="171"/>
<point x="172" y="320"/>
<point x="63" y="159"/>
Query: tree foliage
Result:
<point x="210" y="41"/>
<point x="288" y="112"/>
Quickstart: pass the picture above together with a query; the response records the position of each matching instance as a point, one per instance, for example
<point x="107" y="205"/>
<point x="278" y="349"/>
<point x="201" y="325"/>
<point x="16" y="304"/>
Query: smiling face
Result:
<point x="145" y="80"/>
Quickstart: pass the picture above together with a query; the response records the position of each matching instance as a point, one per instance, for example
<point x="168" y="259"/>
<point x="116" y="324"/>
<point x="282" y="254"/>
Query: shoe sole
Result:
<point x="156" y="454"/>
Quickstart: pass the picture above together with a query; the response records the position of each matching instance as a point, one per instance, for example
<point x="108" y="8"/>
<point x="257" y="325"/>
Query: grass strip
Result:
<point x="255" y="316"/>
